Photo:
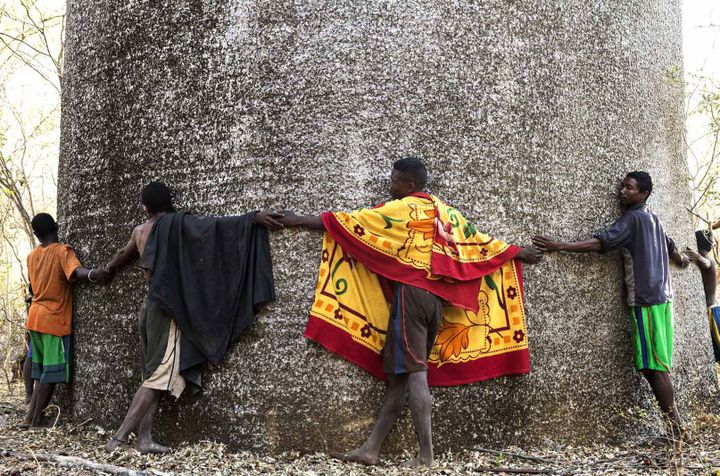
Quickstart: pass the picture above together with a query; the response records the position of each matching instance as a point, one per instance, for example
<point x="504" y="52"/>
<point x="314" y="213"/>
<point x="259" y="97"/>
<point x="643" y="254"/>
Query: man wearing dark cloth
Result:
<point x="646" y="250"/>
<point x="415" y="316"/>
<point x="226" y="274"/>
<point x="708" y="271"/>
<point x="53" y="268"/>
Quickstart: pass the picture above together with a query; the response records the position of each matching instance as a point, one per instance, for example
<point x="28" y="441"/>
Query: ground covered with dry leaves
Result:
<point x="76" y="447"/>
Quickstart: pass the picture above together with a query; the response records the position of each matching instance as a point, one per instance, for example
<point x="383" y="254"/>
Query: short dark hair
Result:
<point x="413" y="169"/>
<point x="704" y="240"/>
<point x="644" y="181"/>
<point x="157" y="197"/>
<point x="43" y="225"/>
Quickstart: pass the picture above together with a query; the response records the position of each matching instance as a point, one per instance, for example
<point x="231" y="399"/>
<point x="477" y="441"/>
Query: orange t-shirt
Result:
<point x="51" y="271"/>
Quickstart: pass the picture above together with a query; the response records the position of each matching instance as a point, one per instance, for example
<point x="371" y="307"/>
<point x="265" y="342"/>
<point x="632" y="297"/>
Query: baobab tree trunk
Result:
<point x="528" y="114"/>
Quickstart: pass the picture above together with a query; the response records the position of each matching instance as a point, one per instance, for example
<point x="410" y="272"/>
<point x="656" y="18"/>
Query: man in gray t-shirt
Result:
<point x="647" y="274"/>
<point x="646" y="250"/>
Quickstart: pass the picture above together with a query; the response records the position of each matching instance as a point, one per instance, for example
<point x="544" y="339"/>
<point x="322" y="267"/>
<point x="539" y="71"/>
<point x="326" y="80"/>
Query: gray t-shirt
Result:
<point x="646" y="249"/>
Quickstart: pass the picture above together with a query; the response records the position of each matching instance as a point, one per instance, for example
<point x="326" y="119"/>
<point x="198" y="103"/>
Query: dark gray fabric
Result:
<point x="646" y="251"/>
<point x="210" y="274"/>
<point x="154" y="328"/>
<point x="415" y="316"/>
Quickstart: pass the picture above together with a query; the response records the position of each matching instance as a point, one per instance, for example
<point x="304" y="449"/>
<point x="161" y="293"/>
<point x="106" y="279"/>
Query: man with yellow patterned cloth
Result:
<point x="414" y="294"/>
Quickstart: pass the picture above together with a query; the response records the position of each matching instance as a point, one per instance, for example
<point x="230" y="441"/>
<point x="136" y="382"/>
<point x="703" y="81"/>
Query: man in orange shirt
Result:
<point x="52" y="269"/>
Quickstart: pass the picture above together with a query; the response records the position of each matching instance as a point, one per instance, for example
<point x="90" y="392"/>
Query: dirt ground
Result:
<point x="77" y="446"/>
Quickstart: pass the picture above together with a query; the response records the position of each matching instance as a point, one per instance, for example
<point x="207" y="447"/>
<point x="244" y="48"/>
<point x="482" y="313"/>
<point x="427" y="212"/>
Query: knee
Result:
<point x="396" y="406"/>
<point x="420" y="399"/>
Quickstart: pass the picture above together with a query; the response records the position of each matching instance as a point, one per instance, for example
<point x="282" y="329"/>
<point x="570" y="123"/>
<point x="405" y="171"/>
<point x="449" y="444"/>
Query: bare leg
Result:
<point x="421" y="409"/>
<point x="141" y="403"/>
<point x="30" y="410"/>
<point x="145" y="441"/>
<point x="27" y="379"/>
<point x="40" y="400"/>
<point x="392" y="405"/>
<point x="662" y="387"/>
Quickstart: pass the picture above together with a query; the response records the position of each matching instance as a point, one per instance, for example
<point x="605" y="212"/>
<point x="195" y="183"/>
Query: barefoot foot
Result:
<point x="357" y="456"/>
<point x="114" y="444"/>
<point x="418" y="462"/>
<point x="42" y="423"/>
<point x="151" y="447"/>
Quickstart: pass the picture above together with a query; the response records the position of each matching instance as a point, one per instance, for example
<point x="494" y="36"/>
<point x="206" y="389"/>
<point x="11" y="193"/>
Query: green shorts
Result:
<point x="50" y="358"/>
<point x="652" y="329"/>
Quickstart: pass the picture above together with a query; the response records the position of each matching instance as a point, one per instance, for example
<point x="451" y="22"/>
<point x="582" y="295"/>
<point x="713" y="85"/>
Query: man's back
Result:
<point x="141" y="232"/>
<point x="51" y="269"/>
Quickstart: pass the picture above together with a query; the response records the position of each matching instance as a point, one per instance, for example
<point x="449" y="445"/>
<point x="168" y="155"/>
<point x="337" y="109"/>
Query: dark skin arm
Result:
<point x="98" y="275"/>
<point x="123" y="256"/>
<point x="698" y="259"/>
<point x="529" y="254"/>
<point x="546" y="243"/>
<point x="81" y="274"/>
<point x="270" y="220"/>
<point x="309" y="221"/>
<point x="679" y="258"/>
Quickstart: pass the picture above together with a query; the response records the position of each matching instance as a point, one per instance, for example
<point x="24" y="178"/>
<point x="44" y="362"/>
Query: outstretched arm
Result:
<point x="546" y="243"/>
<point x="529" y="254"/>
<point x="701" y="262"/>
<point x="309" y="221"/>
<point x="679" y="258"/>
<point x="269" y="220"/>
<point x="123" y="256"/>
<point x="95" y="275"/>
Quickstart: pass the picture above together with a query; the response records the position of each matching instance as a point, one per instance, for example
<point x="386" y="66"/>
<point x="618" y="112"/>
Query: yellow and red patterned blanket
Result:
<point x="420" y="241"/>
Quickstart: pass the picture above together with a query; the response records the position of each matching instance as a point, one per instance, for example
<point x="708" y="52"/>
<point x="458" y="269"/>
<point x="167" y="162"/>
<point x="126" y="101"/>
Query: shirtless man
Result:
<point x="159" y="335"/>
<point x="708" y="271"/>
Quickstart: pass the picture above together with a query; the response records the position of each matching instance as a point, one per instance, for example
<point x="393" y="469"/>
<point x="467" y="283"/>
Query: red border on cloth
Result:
<point x="341" y="343"/>
<point x="443" y="265"/>
<point x="484" y="368"/>
<point x="463" y="294"/>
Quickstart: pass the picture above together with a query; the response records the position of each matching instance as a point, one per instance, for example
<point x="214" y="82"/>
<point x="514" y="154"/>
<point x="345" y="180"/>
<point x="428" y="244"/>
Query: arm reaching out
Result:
<point x="95" y="275"/>
<point x="680" y="259"/>
<point x="546" y="243"/>
<point x="309" y="221"/>
<point x="269" y="220"/>
<point x="695" y="257"/>
<point x="529" y="254"/>
<point x="124" y="256"/>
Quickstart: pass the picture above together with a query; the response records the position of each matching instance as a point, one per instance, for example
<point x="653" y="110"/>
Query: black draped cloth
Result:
<point x="210" y="274"/>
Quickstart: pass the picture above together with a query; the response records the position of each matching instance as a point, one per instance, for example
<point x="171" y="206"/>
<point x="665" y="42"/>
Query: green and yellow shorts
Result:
<point x="652" y="329"/>
<point x="50" y="358"/>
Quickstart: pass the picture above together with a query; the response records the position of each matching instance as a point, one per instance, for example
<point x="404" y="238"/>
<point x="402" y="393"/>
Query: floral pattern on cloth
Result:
<point x="422" y="242"/>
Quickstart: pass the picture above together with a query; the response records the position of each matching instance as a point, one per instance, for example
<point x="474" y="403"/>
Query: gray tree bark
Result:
<point x="528" y="114"/>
